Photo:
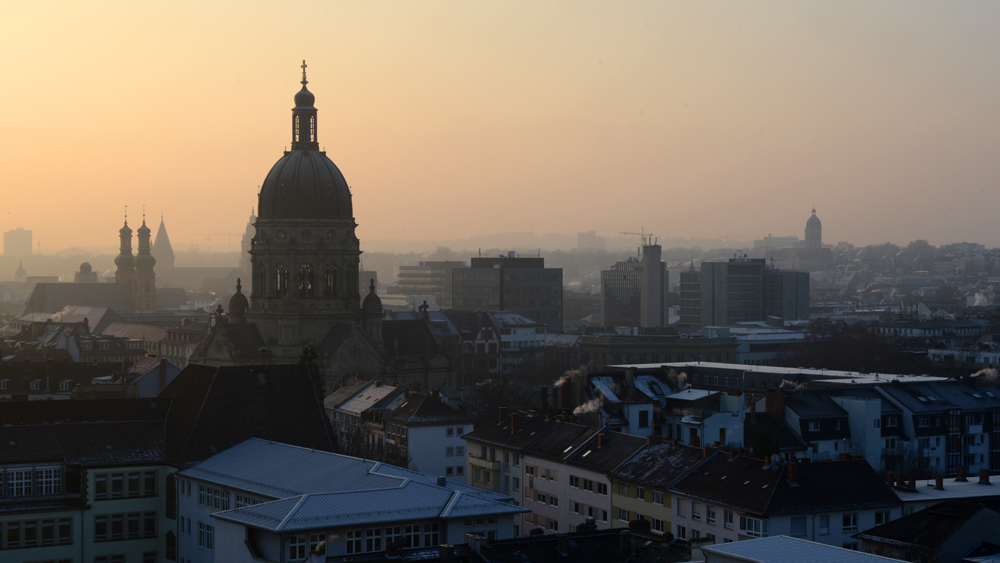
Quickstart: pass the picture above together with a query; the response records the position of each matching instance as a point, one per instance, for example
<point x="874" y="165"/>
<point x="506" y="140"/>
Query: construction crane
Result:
<point x="647" y="238"/>
<point x="208" y="237"/>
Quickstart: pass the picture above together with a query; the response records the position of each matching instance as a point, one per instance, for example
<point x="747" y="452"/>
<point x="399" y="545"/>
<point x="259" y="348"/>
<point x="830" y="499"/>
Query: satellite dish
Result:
<point x="774" y="458"/>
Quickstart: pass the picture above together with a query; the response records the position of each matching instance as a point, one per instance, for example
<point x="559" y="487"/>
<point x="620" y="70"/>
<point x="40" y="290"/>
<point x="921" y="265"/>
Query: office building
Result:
<point x="633" y="292"/>
<point x="516" y="284"/>
<point x="742" y="290"/>
<point x="429" y="278"/>
<point x="17" y="243"/>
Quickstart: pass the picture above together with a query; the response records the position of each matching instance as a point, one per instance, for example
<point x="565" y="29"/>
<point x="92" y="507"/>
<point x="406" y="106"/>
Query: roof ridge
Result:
<point x="448" y="506"/>
<point x="291" y="512"/>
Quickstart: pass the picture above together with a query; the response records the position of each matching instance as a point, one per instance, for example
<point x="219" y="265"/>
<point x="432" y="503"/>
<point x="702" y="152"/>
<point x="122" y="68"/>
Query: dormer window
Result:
<point x="36" y="384"/>
<point x="103" y="345"/>
<point x="814" y="426"/>
<point x="64" y="385"/>
<point x="87" y="346"/>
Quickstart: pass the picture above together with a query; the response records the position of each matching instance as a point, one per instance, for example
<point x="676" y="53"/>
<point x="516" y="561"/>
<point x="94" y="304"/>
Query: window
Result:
<point x="656" y="525"/>
<point x="640" y="493"/>
<point x="850" y="523"/>
<point x="881" y="517"/>
<point x="449" y="432"/>
<point x="486" y="476"/>
<point x="554" y="525"/>
<point x="459" y="431"/>
<point x="354" y="541"/>
<point x="529" y="469"/>
<point x="449" y="451"/>
<point x="48" y="480"/>
<point x="19" y="482"/>
<point x="923" y="422"/>
<point x="814" y="426"/>
<point x="695" y="511"/>
<point x="516" y="484"/>
<point x="681" y="532"/>
<point x="622" y="515"/>
<point x="727" y="519"/>
<point x="643" y="419"/>
<point x="431" y="535"/>
<point x="213" y="497"/>
<point x="679" y="507"/>
<point x="245" y="500"/>
<point x="460" y="450"/>
<point x="710" y="514"/>
<point x="753" y="527"/>
<point x="798" y="527"/>
<point x="373" y="539"/>
<point x="411" y="535"/>
<point x="206" y="536"/>
<point x="824" y="524"/>
<point x="602" y="489"/>
<point x="297" y="548"/>
<point x="574" y="481"/>
<point x="890" y="422"/>
<point x="553" y="501"/>
<point x="657" y="497"/>
<point x="878" y="423"/>
<point x="623" y="489"/>
<point x="540" y="497"/>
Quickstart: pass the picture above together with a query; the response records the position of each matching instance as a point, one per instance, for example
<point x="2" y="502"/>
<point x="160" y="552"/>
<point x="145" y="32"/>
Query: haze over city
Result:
<point x="451" y="120"/>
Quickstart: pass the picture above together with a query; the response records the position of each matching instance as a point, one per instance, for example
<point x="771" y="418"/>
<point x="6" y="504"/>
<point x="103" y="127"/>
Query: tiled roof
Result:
<point x="216" y="408"/>
<point x="821" y="486"/>
<point x="527" y="431"/>
<point x="615" y="449"/>
<point x="659" y="465"/>
<point x="335" y="399"/>
<point x="420" y="409"/>
<point x="74" y="411"/>
<point x="782" y="436"/>
<point x="928" y="528"/>
<point x="561" y="441"/>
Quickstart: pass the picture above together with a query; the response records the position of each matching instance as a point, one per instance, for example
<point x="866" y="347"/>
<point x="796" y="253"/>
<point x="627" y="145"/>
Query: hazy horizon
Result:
<point x="453" y="120"/>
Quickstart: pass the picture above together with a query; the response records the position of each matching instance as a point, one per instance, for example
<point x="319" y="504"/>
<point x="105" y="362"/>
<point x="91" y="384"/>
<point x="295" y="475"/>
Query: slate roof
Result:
<point x="88" y="443"/>
<point x="929" y="528"/>
<point x="934" y="397"/>
<point x="216" y="408"/>
<point x="614" y="450"/>
<point x="659" y="465"/>
<point x="814" y="404"/>
<point x="782" y="436"/>
<point x="406" y="338"/>
<point x="561" y="441"/>
<point x="527" y="431"/>
<point x="421" y="409"/>
<point x="822" y="486"/>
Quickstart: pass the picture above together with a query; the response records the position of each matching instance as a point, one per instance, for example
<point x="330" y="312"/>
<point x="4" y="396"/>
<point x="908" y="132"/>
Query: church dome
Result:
<point x="814" y="222"/>
<point x="305" y="98"/>
<point x="304" y="184"/>
<point x="86" y="268"/>
<point x="238" y="302"/>
<point x="372" y="303"/>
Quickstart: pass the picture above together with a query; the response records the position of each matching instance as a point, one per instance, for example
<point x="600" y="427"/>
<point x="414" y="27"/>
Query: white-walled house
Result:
<point x="733" y="498"/>
<point x="264" y="500"/>
<point x="430" y="434"/>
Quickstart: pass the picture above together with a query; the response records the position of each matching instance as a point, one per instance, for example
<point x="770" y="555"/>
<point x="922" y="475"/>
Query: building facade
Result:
<point x="634" y="292"/>
<point x="516" y="284"/>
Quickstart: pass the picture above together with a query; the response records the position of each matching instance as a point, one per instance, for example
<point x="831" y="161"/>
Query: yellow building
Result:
<point x="640" y="487"/>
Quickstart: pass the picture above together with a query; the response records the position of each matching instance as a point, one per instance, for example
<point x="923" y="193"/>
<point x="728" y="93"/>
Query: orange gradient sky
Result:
<point x="454" y="119"/>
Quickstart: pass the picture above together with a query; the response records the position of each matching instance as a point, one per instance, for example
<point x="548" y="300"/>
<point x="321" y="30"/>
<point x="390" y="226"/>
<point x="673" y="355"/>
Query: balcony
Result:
<point x="483" y="463"/>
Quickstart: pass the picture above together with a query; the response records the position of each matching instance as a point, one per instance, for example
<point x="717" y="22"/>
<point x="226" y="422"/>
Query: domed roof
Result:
<point x="372" y="303"/>
<point x="304" y="184"/>
<point x="814" y="222"/>
<point x="238" y="302"/>
<point x="125" y="230"/>
<point x="143" y="230"/>
<point x="304" y="98"/>
<point x="86" y="268"/>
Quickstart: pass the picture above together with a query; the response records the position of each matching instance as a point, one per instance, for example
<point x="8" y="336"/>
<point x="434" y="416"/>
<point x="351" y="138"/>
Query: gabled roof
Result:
<point x="134" y="331"/>
<point x="216" y="408"/>
<point x="814" y="404"/>
<point x="420" y="409"/>
<point x="528" y="430"/>
<point x="822" y="486"/>
<point x="342" y="395"/>
<point x="929" y="528"/>
<point x="561" y="441"/>
<point x="659" y="465"/>
<point x="614" y="449"/>
<point x="782" y="436"/>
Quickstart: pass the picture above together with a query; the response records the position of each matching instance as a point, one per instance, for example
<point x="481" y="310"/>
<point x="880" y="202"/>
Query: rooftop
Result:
<point x="659" y="465"/>
<point x="928" y="528"/>
<point x="783" y="549"/>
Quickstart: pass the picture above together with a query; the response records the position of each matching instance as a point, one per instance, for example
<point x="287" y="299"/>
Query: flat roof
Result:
<point x="829" y="375"/>
<point x="783" y="549"/>
<point x="953" y="490"/>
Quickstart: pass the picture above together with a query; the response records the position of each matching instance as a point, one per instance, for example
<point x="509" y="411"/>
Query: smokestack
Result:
<point x="502" y="415"/>
<point x="774" y="402"/>
<point x="600" y="441"/>
<point x="704" y="453"/>
<point x="984" y="476"/>
<point x="960" y="474"/>
<point x="890" y="478"/>
<point x="939" y="482"/>
<point x="163" y="374"/>
<point x="513" y="422"/>
<point x="793" y="471"/>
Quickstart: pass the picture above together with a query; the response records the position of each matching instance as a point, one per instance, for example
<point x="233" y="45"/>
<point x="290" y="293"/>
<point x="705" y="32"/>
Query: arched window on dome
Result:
<point x="280" y="280"/>
<point x="330" y="281"/>
<point x="312" y="129"/>
<point x="295" y="133"/>
<point x="307" y="281"/>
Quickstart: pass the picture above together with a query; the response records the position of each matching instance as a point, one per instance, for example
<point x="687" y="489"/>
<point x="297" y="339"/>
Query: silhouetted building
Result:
<point x="590" y="241"/>
<point x="86" y="274"/>
<point x="515" y="284"/>
<point x="246" y="243"/>
<point x="690" y="293"/>
<point x="20" y="275"/>
<point x="633" y="292"/>
<point x="17" y="243"/>
<point x="162" y="250"/>
<point x="137" y="271"/>
<point x="429" y="278"/>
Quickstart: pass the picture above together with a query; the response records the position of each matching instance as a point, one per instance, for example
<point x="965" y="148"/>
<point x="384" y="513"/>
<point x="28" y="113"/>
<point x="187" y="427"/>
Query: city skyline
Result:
<point x="692" y="121"/>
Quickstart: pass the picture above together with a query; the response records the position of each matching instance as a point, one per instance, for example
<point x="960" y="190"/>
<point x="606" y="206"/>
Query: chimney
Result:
<point x="630" y="377"/>
<point x="544" y="404"/>
<point x="447" y="553"/>
<point x="562" y="545"/>
<point x="722" y="436"/>
<point x="391" y="549"/>
<point x="513" y="422"/>
<point x="163" y="374"/>
<point x="984" y="476"/>
<point x="673" y="443"/>
<point x="441" y="481"/>
<point x="890" y="478"/>
<point x="649" y="440"/>
<point x="502" y="415"/>
<point x="793" y="471"/>
<point x="695" y="441"/>
<point x="732" y="455"/>
<point x="600" y="441"/>
<point x="900" y="481"/>
<point x="565" y="397"/>
<point x="624" y="546"/>
<point x="960" y="474"/>
<point x="704" y="453"/>
<point x="843" y="457"/>
<point x="939" y="482"/>
<point x="913" y="482"/>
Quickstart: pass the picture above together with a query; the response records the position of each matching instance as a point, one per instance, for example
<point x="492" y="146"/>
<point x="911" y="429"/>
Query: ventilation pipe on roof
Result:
<point x="984" y="476"/>
<point x="793" y="471"/>
<point x="960" y="475"/>
<point x="939" y="482"/>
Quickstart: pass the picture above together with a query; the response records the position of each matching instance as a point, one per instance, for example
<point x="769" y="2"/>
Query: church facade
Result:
<point x="304" y="259"/>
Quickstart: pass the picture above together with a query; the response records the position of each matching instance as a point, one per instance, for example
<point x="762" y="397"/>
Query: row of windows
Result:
<point x="213" y="497"/>
<point x="588" y="511"/>
<point x="128" y="526"/>
<point x="133" y="484"/>
<point x="36" y="533"/>
<point x="29" y="481"/>
<point x="412" y="535"/>
<point x="588" y="485"/>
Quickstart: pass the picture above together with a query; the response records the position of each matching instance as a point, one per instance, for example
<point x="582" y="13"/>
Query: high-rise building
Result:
<point x="429" y="278"/>
<point x="633" y="292"/>
<point x="690" y="290"/>
<point x="511" y="283"/>
<point x="748" y="290"/>
<point x="17" y="243"/>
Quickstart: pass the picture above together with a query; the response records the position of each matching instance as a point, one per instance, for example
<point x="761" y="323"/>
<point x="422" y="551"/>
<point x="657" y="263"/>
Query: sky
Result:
<point x="456" y="119"/>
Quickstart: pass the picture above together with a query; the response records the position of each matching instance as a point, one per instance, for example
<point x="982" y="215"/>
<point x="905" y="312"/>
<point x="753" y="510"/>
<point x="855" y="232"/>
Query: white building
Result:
<point x="430" y="434"/>
<point x="264" y="500"/>
<point x="521" y="339"/>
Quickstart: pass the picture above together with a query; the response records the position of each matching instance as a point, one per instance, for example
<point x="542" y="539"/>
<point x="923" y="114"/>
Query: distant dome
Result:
<point x="814" y="222"/>
<point x="86" y="268"/>
<point x="372" y="303"/>
<point x="238" y="302"/>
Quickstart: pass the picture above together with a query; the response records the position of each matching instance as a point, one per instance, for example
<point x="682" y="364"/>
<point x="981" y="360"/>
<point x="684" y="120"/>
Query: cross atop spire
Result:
<point x="304" y="65"/>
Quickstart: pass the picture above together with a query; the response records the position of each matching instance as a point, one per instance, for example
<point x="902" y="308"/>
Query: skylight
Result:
<point x="746" y="482"/>
<point x="568" y="448"/>
<point x="586" y="454"/>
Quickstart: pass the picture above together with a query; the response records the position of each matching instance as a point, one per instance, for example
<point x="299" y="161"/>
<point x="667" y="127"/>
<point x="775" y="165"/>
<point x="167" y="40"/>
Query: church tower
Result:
<point x="162" y="250"/>
<point x="304" y="254"/>
<point x="814" y="232"/>
<point x="125" y="261"/>
<point x="144" y="296"/>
